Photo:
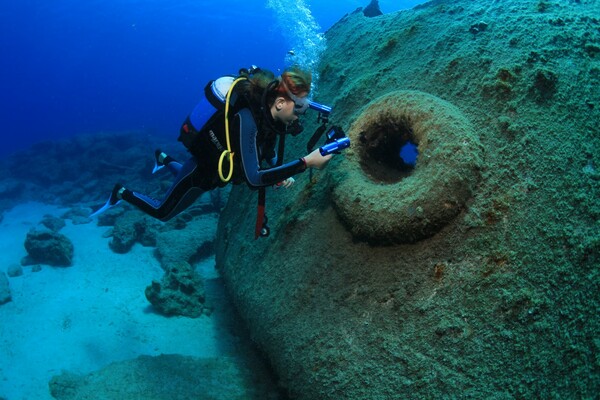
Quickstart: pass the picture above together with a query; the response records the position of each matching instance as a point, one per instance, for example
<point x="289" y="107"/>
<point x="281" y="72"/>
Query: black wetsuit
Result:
<point x="253" y="139"/>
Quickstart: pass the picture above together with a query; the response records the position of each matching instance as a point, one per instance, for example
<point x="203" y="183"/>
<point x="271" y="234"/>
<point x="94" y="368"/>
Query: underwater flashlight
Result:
<point x="323" y="109"/>
<point x="336" y="145"/>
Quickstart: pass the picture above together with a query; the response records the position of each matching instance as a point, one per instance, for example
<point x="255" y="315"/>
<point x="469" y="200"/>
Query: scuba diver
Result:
<point x="231" y="133"/>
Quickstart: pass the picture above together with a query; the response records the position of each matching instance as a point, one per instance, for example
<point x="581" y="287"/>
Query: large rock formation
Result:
<point x="499" y="297"/>
<point x="190" y="241"/>
<point x="166" y="377"/>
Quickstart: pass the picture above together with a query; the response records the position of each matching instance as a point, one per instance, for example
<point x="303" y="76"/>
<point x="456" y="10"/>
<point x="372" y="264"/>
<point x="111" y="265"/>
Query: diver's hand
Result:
<point x="285" y="184"/>
<point x="316" y="160"/>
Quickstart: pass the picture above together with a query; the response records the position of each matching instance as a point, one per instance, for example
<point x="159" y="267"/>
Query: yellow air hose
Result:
<point x="228" y="153"/>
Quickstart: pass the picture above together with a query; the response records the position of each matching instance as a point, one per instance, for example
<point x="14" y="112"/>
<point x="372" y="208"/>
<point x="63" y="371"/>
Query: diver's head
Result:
<point x="290" y="96"/>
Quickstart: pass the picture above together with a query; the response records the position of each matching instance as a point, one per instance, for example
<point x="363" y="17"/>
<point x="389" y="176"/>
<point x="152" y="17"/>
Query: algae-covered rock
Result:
<point x="500" y="300"/>
<point x="47" y="247"/>
<point x="132" y="227"/>
<point x="173" y="377"/>
<point x="180" y="292"/>
<point x="53" y="223"/>
<point x="191" y="240"/>
<point x="78" y="215"/>
<point x="381" y="204"/>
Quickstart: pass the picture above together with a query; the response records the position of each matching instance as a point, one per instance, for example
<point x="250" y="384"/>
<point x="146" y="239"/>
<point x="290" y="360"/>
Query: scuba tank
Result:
<point x="211" y="105"/>
<point x="218" y="98"/>
<point x="215" y="95"/>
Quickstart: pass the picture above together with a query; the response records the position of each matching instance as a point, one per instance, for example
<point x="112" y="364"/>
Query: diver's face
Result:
<point x="286" y="110"/>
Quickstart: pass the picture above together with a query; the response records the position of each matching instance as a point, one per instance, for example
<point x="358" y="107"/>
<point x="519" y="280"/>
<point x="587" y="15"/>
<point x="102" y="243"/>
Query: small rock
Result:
<point x="36" y="268"/>
<point x="53" y="223"/>
<point x="372" y="10"/>
<point x="78" y="215"/>
<point x="130" y="228"/>
<point x="5" y="296"/>
<point x="181" y="292"/>
<point x="110" y="216"/>
<point x="14" y="270"/>
<point x="47" y="247"/>
<point x="478" y="27"/>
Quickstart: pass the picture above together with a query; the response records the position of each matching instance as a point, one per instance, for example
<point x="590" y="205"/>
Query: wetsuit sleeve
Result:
<point x="247" y="132"/>
<point x="267" y="152"/>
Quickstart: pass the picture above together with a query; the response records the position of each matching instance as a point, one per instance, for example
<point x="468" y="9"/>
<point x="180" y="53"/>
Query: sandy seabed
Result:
<point x="84" y="317"/>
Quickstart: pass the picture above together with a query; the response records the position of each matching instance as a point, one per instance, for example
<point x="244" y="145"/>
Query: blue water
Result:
<point x="71" y="66"/>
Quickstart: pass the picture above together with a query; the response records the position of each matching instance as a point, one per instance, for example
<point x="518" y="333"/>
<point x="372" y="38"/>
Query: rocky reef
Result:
<point x="81" y="170"/>
<point x="473" y="275"/>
